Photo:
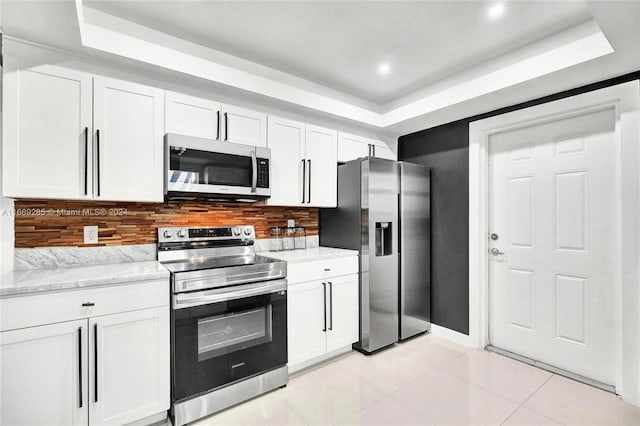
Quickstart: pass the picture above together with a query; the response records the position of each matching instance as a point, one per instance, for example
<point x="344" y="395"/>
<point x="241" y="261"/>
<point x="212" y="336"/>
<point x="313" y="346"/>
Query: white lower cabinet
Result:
<point x="44" y="375"/>
<point x="322" y="314"/>
<point x="128" y="361"/>
<point x="101" y="370"/>
<point x="342" y="327"/>
<point x="305" y="322"/>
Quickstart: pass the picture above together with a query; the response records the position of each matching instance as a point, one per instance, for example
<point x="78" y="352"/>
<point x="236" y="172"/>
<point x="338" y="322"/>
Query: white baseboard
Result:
<point x="454" y="336"/>
<point x="156" y="419"/>
<point x="318" y="360"/>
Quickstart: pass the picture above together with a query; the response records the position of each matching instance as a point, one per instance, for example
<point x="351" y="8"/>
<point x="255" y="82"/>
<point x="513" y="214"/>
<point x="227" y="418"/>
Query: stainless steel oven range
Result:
<point x="228" y="319"/>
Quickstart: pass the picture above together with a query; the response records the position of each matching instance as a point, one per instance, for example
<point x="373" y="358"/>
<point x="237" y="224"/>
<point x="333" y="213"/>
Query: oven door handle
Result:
<point x="197" y="298"/>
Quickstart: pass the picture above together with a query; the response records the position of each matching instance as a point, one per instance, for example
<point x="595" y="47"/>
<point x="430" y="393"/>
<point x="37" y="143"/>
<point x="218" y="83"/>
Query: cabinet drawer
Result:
<point x="321" y="269"/>
<point x="47" y="308"/>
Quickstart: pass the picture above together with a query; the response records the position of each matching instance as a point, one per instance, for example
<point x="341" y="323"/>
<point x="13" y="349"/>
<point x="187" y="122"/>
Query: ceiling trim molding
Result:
<point x="559" y="53"/>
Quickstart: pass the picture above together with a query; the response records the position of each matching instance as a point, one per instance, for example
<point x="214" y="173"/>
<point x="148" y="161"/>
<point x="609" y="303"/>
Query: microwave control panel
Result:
<point x="263" y="173"/>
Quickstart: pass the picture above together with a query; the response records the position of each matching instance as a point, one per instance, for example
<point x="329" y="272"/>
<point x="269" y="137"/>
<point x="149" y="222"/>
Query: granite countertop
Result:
<point x="306" y="255"/>
<point x="33" y="281"/>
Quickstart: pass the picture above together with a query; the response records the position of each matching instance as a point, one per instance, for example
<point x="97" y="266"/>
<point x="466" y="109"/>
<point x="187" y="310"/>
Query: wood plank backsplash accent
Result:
<point x="55" y="223"/>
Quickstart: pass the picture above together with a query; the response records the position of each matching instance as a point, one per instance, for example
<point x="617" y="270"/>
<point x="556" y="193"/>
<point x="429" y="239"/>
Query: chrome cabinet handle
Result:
<point x="80" y="366"/>
<point x="95" y="362"/>
<point x="496" y="252"/>
<point x="304" y="180"/>
<point x="330" y="306"/>
<point x="324" y="304"/>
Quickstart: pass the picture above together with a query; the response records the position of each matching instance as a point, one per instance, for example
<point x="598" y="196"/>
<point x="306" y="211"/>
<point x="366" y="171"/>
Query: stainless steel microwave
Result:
<point x="215" y="170"/>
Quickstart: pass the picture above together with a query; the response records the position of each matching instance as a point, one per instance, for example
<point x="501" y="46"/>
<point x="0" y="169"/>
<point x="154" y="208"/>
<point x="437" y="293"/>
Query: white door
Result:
<point x="132" y="374"/>
<point x="322" y="166"/>
<point x="128" y="127"/>
<point x="306" y="321"/>
<point x="43" y="375"/>
<point x="244" y="126"/>
<point x="47" y="131"/>
<point x="191" y="116"/>
<point x="286" y="141"/>
<point x="553" y="209"/>
<point x="351" y="147"/>
<point x="343" y="313"/>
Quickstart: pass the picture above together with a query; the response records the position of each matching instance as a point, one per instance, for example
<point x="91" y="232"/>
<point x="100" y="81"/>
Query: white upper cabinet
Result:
<point x="47" y="133"/>
<point x="128" y="141"/>
<point x="65" y="139"/>
<point x="382" y="150"/>
<point x="244" y="126"/>
<point x="191" y="116"/>
<point x="351" y="147"/>
<point x="321" y="154"/>
<point x="303" y="164"/>
<point x="287" y="144"/>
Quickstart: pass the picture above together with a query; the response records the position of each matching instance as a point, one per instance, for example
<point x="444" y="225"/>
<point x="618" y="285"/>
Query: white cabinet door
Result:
<point x="306" y="321"/>
<point x="322" y="166"/>
<point x="43" y="375"/>
<point x="129" y="365"/>
<point x="286" y="141"/>
<point x="351" y="147"/>
<point x="382" y="150"/>
<point x="191" y="116"/>
<point x="343" y="311"/>
<point x="128" y="124"/>
<point x="244" y="126"/>
<point x="47" y="127"/>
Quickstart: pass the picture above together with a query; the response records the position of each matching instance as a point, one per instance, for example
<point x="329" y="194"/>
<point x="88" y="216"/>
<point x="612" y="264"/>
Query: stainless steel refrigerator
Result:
<point x="384" y="213"/>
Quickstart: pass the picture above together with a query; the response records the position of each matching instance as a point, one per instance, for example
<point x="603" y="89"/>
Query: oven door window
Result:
<point x="232" y="332"/>
<point x="194" y="166"/>
<point x="219" y="343"/>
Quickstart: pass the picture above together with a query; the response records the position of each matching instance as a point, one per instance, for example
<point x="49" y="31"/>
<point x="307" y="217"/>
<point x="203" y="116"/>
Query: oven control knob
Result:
<point x="247" y="231"/>
<point x="181" y="233"/>
<point x="166" y="234"/>
<point x="236" y="231"/>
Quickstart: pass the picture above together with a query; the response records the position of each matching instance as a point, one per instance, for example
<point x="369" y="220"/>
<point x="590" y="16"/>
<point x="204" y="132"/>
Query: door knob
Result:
<point x="496" y="252"/>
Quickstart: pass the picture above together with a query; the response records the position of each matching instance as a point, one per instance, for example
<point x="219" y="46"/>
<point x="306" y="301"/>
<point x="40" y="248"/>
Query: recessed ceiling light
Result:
<point x="496" y="11"/>
<point x="384" y="69"/>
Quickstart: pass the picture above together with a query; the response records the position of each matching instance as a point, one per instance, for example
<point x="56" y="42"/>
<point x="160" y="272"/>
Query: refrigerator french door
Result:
<point x="384" y="213"/>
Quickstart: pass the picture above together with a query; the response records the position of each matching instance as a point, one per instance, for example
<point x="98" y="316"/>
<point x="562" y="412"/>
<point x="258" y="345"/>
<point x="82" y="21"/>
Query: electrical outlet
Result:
<point x="91" y="235"/>
<point x="291" y="223"/>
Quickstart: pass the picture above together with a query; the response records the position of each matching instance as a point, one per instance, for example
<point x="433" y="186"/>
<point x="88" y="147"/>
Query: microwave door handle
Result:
<point x="254" y="175"/>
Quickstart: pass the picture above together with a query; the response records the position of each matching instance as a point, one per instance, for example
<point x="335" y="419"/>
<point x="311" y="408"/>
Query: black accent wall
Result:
<point x="445" y="149"/>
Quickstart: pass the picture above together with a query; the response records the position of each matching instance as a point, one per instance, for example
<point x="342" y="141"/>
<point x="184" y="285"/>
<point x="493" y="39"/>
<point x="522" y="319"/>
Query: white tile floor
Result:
<point x="429" y="381"/>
